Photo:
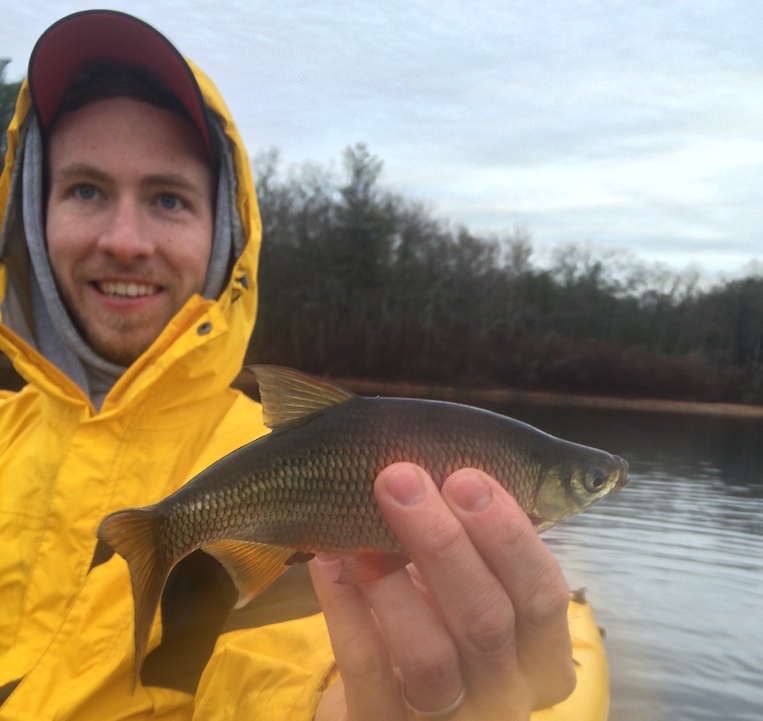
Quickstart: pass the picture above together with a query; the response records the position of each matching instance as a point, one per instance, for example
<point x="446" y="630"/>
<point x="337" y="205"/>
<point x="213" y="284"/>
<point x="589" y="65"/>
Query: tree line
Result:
<point x="8" y="92"/>
<point x="356" y="280"/>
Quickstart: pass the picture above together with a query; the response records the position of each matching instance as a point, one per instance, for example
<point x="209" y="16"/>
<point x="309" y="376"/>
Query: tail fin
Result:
<point x="134" y="535"/>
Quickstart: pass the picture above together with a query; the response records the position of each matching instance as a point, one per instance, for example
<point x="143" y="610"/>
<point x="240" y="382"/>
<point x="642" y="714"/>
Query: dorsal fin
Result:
<point x="288" y="396"/>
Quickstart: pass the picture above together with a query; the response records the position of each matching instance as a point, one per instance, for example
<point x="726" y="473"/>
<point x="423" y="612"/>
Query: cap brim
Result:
<point x="78" y="39"/>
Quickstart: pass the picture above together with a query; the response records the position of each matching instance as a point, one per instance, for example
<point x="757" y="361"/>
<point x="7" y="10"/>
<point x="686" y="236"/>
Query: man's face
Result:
<point x="129" y="220"/>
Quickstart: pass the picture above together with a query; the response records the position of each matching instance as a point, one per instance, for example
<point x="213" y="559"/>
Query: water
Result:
<point x="673" y="565"/>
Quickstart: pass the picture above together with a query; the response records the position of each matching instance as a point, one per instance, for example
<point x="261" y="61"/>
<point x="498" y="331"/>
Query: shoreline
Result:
<point x="498" y="396"/>
<point x="507" y="396"/>
<point x="547" y="398"/>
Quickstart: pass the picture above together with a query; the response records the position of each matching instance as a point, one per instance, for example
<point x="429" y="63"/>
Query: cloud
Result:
<point x="628" y="124"/>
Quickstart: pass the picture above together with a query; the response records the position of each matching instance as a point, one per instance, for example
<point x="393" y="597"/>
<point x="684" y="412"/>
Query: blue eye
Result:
<point x="169" y="201"/>
<point x="86" y="192"/>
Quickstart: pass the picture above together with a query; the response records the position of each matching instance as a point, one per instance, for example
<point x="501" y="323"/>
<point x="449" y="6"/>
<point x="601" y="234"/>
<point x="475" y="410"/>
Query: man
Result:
<point x="129" y="256"/>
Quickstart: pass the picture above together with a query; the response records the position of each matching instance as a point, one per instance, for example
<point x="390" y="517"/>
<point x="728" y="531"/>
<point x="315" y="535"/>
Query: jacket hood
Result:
<point x="206" y="341"/>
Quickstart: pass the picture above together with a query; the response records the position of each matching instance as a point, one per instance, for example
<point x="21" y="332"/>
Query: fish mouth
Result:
<point x="622" y="476"/>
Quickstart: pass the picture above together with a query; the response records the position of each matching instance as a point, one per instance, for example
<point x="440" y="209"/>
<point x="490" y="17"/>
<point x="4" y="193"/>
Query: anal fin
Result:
<point x="252" y="566"/>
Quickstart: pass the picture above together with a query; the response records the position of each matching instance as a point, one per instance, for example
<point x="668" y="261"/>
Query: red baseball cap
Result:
<point x="74" y="41"/>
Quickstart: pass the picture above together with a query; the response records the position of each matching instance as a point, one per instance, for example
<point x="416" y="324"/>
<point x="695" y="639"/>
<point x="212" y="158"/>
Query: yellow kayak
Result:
<point x="590" y="700"/>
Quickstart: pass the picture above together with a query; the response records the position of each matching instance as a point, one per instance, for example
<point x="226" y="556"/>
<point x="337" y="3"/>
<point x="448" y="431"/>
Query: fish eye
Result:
<point x="595" y="479"/>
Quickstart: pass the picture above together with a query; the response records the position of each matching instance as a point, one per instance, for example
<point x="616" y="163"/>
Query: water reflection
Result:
<point x="674" y="563"/>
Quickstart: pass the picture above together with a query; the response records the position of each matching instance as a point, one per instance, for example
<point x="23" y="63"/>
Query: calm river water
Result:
<point x="673" y="565"/>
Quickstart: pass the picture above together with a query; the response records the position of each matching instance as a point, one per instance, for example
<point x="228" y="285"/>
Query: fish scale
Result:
<point x="308" y="485"/>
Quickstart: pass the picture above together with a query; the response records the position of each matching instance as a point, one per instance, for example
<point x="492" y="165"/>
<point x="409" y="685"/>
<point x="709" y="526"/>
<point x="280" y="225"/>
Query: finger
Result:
<point x="526" y="568"/>
<point x="371" y="688"/>
<point x="421" y="645"/>
<point x="473" y="603"/>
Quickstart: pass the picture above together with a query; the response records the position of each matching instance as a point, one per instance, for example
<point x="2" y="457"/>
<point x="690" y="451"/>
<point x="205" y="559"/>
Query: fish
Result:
<point x="307" y="486"/>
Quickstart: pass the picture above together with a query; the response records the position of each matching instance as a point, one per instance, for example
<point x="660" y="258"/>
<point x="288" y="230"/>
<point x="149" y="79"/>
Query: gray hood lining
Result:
<point x="54" y="333"/>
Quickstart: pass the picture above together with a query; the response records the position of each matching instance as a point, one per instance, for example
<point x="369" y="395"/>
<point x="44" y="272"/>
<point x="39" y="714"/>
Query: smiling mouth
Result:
<point x="118" y="289"/>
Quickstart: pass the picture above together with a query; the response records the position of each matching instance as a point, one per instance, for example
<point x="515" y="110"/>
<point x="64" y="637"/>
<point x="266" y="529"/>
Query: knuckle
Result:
<point x="568" y="680"/>
<point x="564" y="682"/>
<point x="516" y="528"/>
<point x="491" y="630"/>
<point x="437" y="668"/>
<point x="362" y="663"/>
<point x="445" y="539"/>
<point x="515" y="537"/>
<point x="549" y="600"/>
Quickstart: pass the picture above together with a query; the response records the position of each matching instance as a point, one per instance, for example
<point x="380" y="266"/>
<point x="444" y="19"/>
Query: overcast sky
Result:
<point x="633" y="125"/>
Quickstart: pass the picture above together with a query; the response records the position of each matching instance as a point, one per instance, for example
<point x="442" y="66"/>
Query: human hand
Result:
<point x="481" y="610"/>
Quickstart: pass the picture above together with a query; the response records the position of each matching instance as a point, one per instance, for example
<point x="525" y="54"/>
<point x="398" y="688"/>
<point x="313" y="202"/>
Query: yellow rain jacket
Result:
<point x="66" y="628"/>
<point x="66" y="609"/>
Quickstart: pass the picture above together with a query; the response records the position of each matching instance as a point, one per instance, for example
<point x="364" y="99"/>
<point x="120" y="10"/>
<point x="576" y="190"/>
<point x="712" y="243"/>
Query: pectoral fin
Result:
<point x="252" y="566"/>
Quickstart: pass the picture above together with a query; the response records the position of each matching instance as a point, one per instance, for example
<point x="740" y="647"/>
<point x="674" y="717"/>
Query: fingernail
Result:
<point x="470" y="492"/>
<point x="405" y="486"/>
<point x="331" y="563"/>
<point x="327" y="558"/>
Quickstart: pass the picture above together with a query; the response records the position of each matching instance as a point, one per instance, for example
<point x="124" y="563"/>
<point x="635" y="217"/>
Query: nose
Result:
<point x="125" y="236"/>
